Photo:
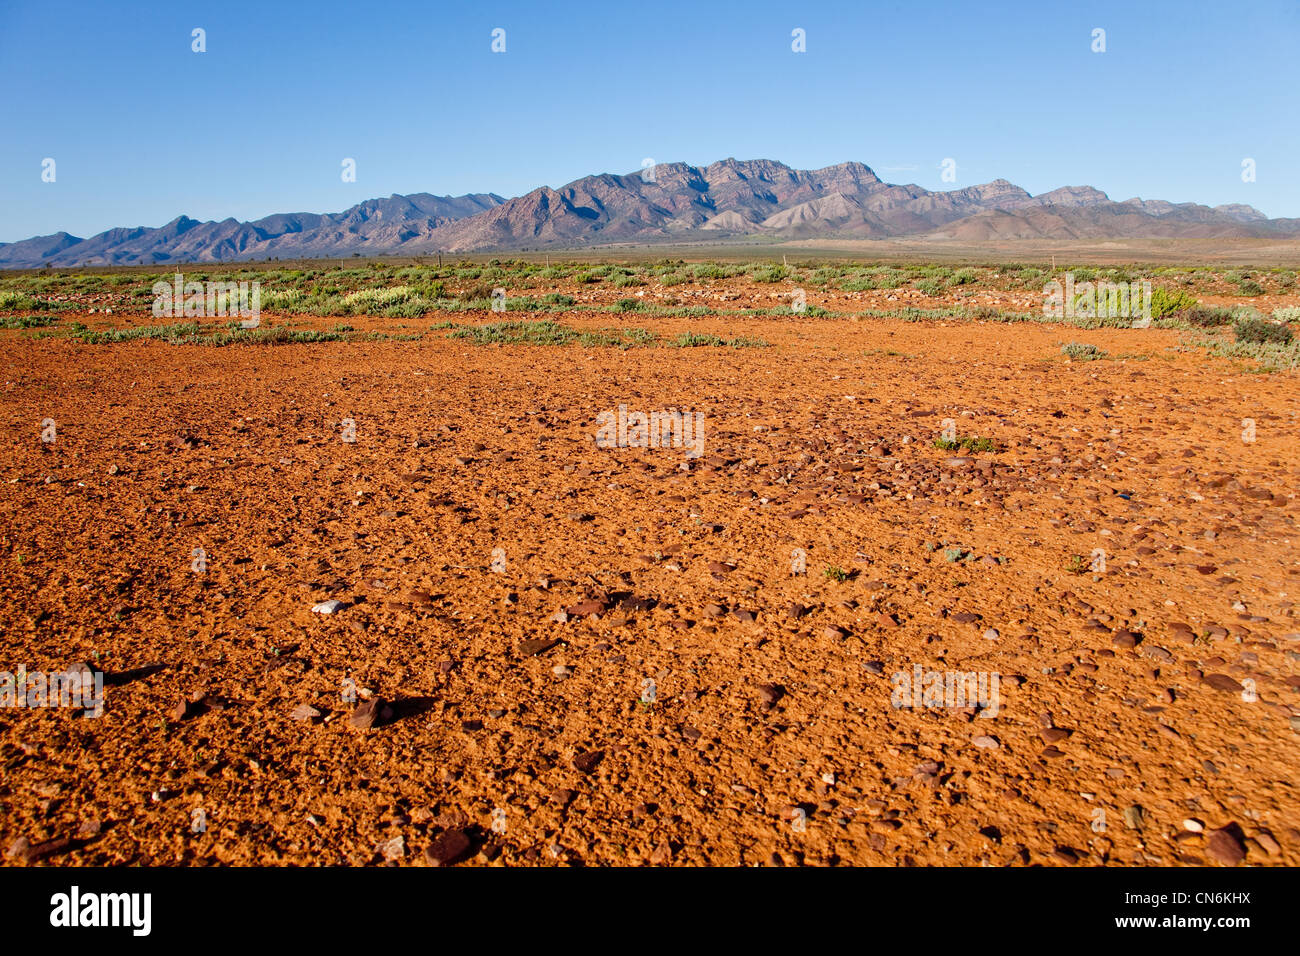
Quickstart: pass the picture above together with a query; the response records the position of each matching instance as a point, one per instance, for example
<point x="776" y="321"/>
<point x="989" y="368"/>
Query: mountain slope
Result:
<point x="729" y="199"/>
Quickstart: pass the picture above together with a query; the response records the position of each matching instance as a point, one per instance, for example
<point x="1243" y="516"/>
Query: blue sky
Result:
<point x="142" y="129"/>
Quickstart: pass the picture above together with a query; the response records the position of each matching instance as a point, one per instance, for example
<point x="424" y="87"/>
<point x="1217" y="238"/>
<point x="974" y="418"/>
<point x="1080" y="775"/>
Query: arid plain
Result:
<point x="553" y="651"/>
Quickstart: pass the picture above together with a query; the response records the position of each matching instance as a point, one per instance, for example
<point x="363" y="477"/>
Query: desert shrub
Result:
<point x="1288" y="313"/>
<point x="281" y="300"/>
<point x="929" y="286"/>
<point x="1167" y="302"/>
<point x="1257" y="329"/>
<point x="27" y="321"/>
<point x="774" y="274"/>
<point x="626" y="282"/>
<point x="964" y="277"/>
<point x="1285" y="280"/>
<point x="1249" y="287"/>
<point x="1083" y="352"/>
<point x="558" y="299"/>
<point x="1207" y="316"/>
<point x="372" y="301"/>
<point x="627" y="305"/>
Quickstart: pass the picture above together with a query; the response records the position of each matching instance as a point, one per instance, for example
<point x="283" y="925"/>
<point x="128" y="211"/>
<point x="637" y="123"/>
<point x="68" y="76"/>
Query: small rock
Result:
<point x="369" y="713"/>
<point x="991" y="634"/>
<point x="447" y="848"/>
<point x="536" y="646"/>
<point x="304" y="712"/>
<point x="1193" y="826"/>
<point x="587" y="762"/>
<point x="986" y="743"/>
<point x="1225" y="846"/>
<point x="327" y="607"/>
<point x="392" y="850"/>
<point x="1222" y="682"/>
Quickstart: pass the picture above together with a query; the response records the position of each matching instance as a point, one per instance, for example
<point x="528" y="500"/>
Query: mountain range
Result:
<point x="730" y="200"/>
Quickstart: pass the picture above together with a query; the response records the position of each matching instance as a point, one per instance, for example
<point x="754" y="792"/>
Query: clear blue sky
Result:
<point x="142" y="129"/>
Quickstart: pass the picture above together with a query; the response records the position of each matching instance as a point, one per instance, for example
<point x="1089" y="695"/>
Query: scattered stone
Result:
<point x="536" y="646"/>
<point x="1133" y="817"/>
<point x="1222" y="682"/>
<point x="769" y="694"/>
<point x="986" y="743"/>
<point x="587" y="762"/>
<point x="1192" y="825"/>
<point x="447" y="848"/>
<point x="392" y="850"/>
<point x="327" y="607"/>
<point x="1225" y="846"/>
<point x="304" y="712"/>
<point x="370" y="713"/>
<point x="991" y="634"/>
<point x="1124" y="638"/>
<point x="24" y="851"/>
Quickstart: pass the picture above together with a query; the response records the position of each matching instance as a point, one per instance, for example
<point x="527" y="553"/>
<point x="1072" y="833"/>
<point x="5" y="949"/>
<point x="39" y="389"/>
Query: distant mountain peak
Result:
<point x="727" y="199"/>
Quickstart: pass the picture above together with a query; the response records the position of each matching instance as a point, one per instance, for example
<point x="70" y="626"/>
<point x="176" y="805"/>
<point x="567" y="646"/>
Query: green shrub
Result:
<point x="1288" y="313"/>
<point x="1207" y="316"/>
<point x="1249" y="287"/>
<point x="1083" y="352"/>
<point x="1253" y="329"/>
<point x="1167" y="302"/>
<point x="774" y="274"/>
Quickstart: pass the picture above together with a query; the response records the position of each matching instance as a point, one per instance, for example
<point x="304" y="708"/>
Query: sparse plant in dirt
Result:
<point x="773" y="274"/>
<point x="834" y="573"/>
<point x="1207" y="316"/>
<point x="627" y="305"/>
<point x="969" y="443"/>
<point x="1077" y="564"/>
<point x="26" y="321"/>
<point x="1249" y="287"/>
<point x="1257" y="329"/>
<point x="953" y="555"/>
<point x="1082" y="351"/>
<point x="1167" y="302"/>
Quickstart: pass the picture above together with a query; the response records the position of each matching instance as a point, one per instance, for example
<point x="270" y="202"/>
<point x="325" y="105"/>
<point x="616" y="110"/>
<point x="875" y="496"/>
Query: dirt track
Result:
<point x="770" y="736"/>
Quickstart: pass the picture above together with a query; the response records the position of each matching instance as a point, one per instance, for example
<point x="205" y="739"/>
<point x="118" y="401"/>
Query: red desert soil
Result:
<point x="1147" y="712"/>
